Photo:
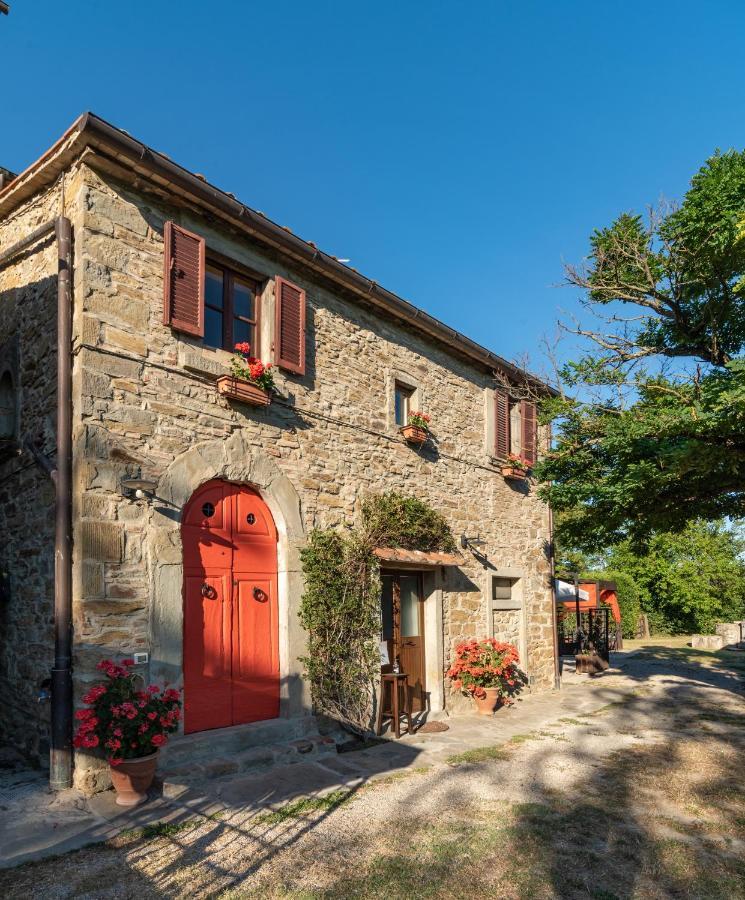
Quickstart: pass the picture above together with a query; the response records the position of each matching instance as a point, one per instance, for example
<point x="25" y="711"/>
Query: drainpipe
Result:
<point x="557" y="672"/>
<point x="60" y="775"/>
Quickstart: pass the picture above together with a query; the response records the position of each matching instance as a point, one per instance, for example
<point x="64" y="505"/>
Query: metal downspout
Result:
<point x="557" y="671"/>
<point x="60" y="774"/>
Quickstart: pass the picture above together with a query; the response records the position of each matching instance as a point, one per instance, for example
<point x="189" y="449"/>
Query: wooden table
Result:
<point x="396" y="681"/>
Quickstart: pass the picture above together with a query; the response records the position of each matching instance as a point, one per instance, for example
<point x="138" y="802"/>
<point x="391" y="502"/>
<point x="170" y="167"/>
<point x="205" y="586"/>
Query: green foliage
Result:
<point x="688" y="581"/>
<point x="340" y="608"/>
<point x="639" y="449"/>
<point x="675" y="454"/>
<point x="393" y="520"/>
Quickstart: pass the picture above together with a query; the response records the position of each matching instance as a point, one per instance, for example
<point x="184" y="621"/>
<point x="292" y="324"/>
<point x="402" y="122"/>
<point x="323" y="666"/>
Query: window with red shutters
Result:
<point x="289" y="338"/>
<point x="501" y="424"/>
<point x="528" y="415"/>
<point x="183" y="280"/>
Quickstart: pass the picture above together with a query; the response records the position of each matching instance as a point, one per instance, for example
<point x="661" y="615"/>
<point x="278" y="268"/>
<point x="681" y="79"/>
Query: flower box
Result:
<point x="510" y="472"/>
<point x="240" y="389"/>
<point x="414" y="434"/>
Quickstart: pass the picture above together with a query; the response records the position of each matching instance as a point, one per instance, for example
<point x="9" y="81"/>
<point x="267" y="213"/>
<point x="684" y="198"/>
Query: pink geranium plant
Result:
<point x="419" y="420"/>
<point x="125" y="721"/>
<point x="517" y="462"/>
<point x="485" y="664"/>
<point x="250" y="368"/>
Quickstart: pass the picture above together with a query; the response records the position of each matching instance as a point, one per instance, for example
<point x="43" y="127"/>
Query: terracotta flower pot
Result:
<point x="510" y="472"/>
<point x="414" y="434"/>
<point x="589" y="664"/>
<point x="239" y="389"/>
<point x="132" y="777"/>
<point x="487" y="704"/>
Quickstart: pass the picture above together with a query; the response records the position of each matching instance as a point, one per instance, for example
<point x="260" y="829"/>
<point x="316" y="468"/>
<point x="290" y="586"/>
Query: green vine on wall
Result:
<point x="340" y="608"/>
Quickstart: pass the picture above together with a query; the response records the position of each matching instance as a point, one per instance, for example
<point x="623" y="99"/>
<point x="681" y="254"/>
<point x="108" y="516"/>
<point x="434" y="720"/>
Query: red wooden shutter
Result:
<point x="183" y="280"/>
<point x="289" y="338"/>
<point x="501" y="424"/>
<point x="527" y="414"/>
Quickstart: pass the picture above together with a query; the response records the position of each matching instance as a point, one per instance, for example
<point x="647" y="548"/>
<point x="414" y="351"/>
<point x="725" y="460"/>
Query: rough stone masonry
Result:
<point x="145" y="400"/>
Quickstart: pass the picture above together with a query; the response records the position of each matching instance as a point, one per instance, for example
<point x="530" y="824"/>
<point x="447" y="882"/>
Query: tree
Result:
<point x="653" y="433"/>
<point x="688" y="581"/>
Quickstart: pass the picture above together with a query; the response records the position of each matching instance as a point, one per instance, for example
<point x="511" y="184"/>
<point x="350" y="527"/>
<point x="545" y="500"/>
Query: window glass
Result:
<point x="409" y="606"/>
<point x="213" y="288"/>
<point x="515" y="429"/>
<point x="212" y="327"/>
<point x="242" y="299"/>
<point x="402" y="403"/>
<point x="242" y="331"/>
<point x="230" y="312"/>
<point x="501" y="589"/>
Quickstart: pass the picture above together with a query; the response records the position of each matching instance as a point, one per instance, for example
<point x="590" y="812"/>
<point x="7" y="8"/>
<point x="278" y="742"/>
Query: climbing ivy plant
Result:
<point x="340" y="608"/>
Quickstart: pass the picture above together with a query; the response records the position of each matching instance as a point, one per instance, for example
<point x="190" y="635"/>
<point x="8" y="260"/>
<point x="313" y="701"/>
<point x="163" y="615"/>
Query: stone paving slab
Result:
<point x="41" y="824"/>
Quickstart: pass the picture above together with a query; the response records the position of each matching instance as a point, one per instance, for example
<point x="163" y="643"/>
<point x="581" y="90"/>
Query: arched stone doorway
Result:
<point x="231" y="634"/>
<point x="233" y="460"/>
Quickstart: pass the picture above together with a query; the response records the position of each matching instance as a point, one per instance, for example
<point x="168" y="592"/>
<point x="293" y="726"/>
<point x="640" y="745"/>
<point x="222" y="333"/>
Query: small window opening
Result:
<point x="501" y="588"/>
<point x="7" y="408"/>
<point x="403" y="397"/>
<point x="516" y="431"/>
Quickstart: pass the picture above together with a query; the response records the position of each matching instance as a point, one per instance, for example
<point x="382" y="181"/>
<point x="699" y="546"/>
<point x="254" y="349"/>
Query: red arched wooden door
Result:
<point x="231" y="655"/>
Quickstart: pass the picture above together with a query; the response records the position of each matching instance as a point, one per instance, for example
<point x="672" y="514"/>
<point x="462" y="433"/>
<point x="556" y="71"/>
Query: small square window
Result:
<point x="501" y="589"/>
<point x="403" y="397"/>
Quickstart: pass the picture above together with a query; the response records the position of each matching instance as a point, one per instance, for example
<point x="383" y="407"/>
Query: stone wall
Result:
<point x="508" y="626"/>
<point x="28" y="297"/>
<point x="146" y="394"/>
<point x="144" y="398"/>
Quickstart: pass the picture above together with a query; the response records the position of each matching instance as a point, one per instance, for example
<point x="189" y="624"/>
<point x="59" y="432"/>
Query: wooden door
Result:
<point x="402" y="608"/>
<point x="231" y="653"/>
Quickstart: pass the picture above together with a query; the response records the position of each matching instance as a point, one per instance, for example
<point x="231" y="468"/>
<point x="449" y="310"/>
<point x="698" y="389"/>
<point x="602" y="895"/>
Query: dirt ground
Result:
<point x="641" y="799"/>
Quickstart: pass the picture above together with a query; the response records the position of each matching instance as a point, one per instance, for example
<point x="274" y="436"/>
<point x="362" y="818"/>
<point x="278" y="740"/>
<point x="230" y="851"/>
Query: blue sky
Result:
<point x="456" y="153"/>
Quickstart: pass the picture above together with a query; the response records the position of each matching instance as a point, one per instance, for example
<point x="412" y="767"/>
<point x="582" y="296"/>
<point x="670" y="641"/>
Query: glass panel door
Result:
<point x="409" y="605"/>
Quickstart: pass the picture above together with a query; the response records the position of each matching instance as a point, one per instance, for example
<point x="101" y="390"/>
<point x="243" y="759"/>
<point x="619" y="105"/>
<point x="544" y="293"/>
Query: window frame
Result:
<point x="230" y="272"/>
<point x="408" y="392"/>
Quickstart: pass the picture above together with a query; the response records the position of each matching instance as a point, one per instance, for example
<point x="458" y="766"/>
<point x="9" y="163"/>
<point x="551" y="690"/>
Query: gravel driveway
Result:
<point x="642" y="797"/>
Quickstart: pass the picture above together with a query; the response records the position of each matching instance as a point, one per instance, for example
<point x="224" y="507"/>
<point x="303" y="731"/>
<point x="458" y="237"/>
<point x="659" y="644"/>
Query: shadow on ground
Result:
<point x="643" y="798"/>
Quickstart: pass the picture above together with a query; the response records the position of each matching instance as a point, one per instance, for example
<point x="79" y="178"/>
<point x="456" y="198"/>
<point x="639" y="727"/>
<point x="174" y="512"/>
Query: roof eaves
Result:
<point x="91" y="129"/>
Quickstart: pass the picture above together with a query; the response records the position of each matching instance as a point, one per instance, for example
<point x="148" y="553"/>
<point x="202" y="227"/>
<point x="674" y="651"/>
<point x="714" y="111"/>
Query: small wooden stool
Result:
<point x="396" y="681"/>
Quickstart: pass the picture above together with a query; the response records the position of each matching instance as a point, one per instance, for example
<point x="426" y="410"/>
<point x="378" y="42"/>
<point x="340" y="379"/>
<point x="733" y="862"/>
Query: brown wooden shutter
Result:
<point x="528" y="416"/>
<point x="183" y="280"/>
<point x="501" y="424"/>
<point x="289" y="337"/>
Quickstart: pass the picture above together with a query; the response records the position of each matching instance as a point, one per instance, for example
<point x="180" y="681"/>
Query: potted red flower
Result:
<point x="416" y="429"/>
<point x="487" y="671"/>
<point x="515" y="467"/>
<point x="252" y="380"/>
<point x="129" y="725"/>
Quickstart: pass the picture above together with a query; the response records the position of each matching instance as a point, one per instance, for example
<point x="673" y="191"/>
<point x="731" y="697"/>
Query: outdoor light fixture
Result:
<point x="139" y="488"/>
<point x="468" y="542"/>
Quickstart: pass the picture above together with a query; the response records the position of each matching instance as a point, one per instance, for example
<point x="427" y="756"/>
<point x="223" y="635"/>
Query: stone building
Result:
<point x="166" y="273"/>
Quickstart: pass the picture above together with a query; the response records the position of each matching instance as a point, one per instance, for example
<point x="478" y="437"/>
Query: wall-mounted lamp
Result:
<point x="468" y="542"/>
<point x="139" y="488"/>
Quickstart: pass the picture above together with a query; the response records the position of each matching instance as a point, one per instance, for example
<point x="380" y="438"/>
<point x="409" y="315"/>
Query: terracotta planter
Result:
<point x="245" y="391"/>
<point x="486" y="705"/>
<point x="132" y="778"/>
<point x="589" y="664"/>
<point x="414" y="434"/>
<point x="509" y="472"/>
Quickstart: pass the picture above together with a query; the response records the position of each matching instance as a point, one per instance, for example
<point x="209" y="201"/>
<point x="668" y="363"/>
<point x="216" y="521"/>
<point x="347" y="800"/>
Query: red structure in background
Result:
<point x="600" y="593"/>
